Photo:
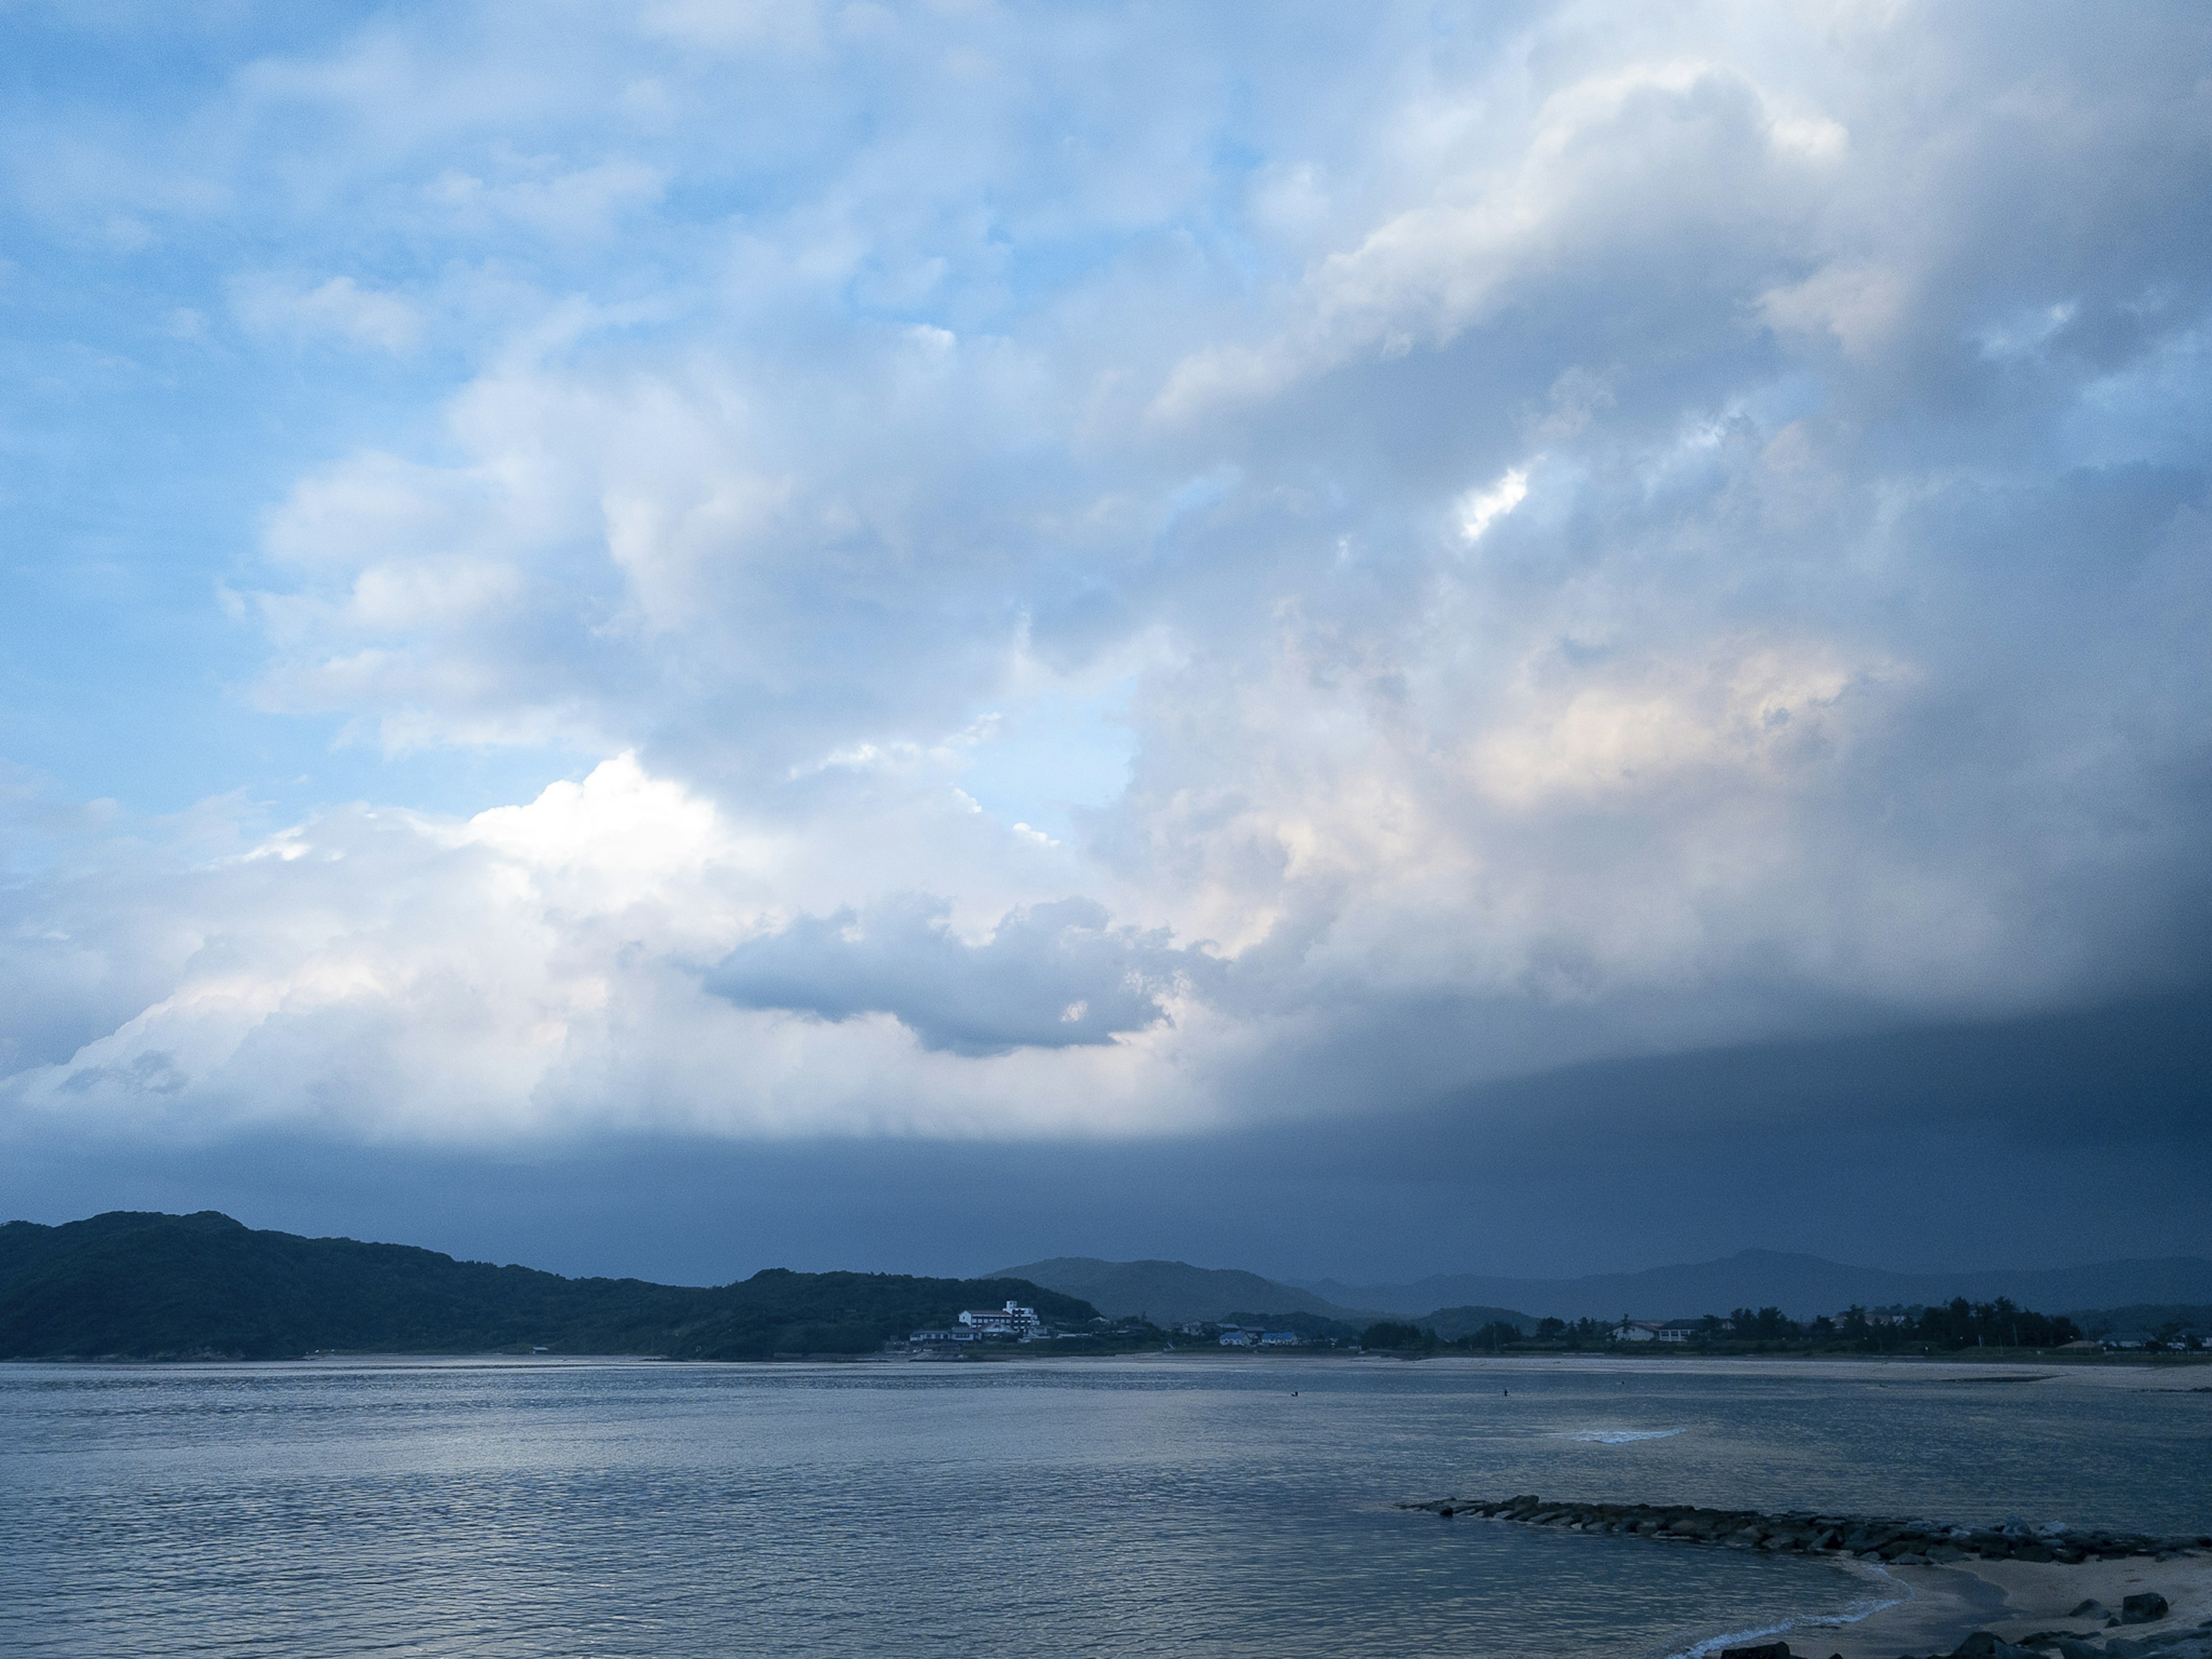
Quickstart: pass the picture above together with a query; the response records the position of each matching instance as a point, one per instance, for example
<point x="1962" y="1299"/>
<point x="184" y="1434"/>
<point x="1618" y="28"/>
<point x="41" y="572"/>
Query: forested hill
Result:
<point x="139" y="1286"/>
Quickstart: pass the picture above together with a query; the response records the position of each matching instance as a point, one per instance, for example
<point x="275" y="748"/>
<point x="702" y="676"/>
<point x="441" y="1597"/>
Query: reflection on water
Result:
<point x="1116" y="1508"/>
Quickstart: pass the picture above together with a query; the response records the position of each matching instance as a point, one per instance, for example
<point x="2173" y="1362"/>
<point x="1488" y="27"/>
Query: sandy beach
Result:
<point x="2012" y="1598"/>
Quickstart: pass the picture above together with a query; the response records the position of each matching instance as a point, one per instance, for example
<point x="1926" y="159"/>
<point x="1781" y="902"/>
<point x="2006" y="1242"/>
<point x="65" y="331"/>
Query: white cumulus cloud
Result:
<point x="1402" y="555"/>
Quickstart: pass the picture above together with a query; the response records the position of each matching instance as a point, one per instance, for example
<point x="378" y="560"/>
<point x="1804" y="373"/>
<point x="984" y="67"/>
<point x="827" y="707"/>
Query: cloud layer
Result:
<point x="1425" y="549"/>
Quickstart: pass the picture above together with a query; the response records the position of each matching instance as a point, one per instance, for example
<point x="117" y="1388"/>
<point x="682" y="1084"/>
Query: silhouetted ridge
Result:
<point x="130" y="1284"/>
<point x="1171" y="1292"/>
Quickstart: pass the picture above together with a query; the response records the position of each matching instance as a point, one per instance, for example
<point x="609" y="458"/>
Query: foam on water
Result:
<point x="1895" y="1593"/>
<point x="1615" y="1436"/>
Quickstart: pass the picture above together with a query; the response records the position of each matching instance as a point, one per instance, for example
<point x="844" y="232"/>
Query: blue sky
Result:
<point x="962" y="575"/>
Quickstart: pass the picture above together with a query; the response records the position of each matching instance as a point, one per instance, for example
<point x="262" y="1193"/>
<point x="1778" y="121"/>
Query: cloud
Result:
<point x="1684" y="167"/>
<point x="1478" y="509"/>
<point x="543" y="970"/>
<point x="1591" y="532"/>
<point x="1758" y="709"/>
<point x="339" y="309"/>
<point x="1049" y="975"/>
<point x="584" y="203"/>
<point x="1860" y="307"/>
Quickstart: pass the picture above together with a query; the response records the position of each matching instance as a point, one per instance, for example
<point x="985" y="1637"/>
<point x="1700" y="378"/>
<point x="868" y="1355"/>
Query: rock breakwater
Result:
<point x="1903" y="1543"/>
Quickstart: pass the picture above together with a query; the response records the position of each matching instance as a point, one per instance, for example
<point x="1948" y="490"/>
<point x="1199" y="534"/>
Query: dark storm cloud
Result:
<point x="1937" y="1148"/>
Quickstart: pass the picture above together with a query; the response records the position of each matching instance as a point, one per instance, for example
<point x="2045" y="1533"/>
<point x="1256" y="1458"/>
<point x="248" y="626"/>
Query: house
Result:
<point x="1679" y="1330"/>
<point x="942" y="1336"/>
<point x="1279" y="1338"/>
<point x="1235" y="1336"/>
<point x="1636" y="1330"/>
<point x="1013" y="1320"/>
<point x="2129" y="1339"/>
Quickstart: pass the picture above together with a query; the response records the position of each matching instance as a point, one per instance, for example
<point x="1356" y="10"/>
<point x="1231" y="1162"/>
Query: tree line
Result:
<point x="1952" y="1326"/>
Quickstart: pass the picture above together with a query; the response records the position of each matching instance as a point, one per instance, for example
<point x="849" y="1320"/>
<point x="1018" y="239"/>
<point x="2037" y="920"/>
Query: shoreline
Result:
<point x="2167" y="1373"/>
<point x="2015" y="1590"/>
<point x="2014" y="1600"/>
<point x="1889" y="1595"/>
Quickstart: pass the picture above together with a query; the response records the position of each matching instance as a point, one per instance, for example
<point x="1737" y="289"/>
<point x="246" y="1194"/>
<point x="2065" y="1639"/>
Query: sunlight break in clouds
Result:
<point x="1483" y="508"/>
<point x="827" y="569"/>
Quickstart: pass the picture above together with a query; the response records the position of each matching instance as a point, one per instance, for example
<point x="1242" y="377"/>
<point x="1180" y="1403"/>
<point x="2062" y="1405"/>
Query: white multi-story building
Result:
<point x="1013" y="1320"/>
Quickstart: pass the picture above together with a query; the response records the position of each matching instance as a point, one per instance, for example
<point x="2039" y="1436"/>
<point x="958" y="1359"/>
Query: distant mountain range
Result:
<point x="1800" y="1286"/>
<point x="1172" y="1292"/>
<point x="139" y="1286"/>
<point x="1175" y="1292"/>
<point x="136" y="1285"/>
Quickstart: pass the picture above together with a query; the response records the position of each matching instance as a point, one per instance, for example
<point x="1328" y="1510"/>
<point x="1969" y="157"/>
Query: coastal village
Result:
<point x="1014" y="1321"/>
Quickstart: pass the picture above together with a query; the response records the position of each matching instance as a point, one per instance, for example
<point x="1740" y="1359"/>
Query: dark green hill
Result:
<point x="148" y="1286"/>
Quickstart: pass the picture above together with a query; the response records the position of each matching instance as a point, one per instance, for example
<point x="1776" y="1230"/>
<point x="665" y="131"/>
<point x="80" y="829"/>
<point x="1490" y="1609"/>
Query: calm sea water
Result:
<point x="458" y="1508"/>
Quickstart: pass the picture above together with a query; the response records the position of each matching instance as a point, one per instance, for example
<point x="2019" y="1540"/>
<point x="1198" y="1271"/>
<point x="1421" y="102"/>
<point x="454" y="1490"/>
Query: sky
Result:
<point x="1522" y="638"/>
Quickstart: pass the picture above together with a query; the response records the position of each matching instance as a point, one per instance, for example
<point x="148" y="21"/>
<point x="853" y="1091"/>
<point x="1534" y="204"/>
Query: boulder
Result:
<point x="2092" y="1605"/>
<point x="2072" y="1647"/>
<point x="1763" y="1651"/>
<point x="2144" y="1610"/>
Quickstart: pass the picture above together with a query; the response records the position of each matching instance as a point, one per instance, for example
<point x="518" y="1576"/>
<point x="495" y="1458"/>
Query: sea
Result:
<point x="1243" y="1504"/>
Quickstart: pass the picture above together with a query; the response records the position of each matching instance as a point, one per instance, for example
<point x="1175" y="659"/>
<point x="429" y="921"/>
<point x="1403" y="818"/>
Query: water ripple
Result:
<point x="657" y="1511"/>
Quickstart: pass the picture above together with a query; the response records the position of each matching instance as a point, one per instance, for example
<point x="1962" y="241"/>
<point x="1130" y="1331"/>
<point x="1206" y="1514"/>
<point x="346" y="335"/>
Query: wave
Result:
<point x="1614" y="1437"/>
<point x="1850" y="1615"/>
